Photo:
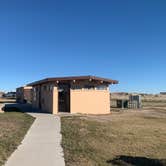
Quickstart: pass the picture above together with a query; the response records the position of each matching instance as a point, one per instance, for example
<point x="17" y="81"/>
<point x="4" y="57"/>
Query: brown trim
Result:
<point x="77" y="78"/>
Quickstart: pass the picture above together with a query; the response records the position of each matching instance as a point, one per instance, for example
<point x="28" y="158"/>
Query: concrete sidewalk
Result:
<point x="42" y="144"/>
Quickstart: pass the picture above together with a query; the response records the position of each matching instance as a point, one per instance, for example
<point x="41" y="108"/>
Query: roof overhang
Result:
<point x="73" y="78"/>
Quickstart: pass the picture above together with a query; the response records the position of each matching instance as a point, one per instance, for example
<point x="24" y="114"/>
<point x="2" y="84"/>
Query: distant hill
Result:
<point x="145" y="96"/>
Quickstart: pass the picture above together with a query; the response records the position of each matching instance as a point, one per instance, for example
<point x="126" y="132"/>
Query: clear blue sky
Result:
<point x="119" y="39"/>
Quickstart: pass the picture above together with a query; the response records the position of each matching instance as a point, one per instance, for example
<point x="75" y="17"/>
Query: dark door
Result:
<point x="64" y="98"/>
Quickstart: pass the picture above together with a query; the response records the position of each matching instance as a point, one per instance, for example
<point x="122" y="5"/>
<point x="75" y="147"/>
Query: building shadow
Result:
<point x="27" y="108"/>
<point x="13" y="108"/>
<point x="136" y="161"/>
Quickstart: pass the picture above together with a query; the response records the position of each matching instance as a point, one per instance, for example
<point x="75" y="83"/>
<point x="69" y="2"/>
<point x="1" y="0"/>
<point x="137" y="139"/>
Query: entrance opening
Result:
<point x="64" y="98"/>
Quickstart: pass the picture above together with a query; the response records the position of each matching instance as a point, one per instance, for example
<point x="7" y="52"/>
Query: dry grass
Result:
<point x="13" y="127"/>
<point x="154" y="104"/>
<point x="5" y="100"/>
<point x="131" y="138"/>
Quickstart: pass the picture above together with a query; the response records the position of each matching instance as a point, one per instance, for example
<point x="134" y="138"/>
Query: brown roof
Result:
<point x="66" y="79"/>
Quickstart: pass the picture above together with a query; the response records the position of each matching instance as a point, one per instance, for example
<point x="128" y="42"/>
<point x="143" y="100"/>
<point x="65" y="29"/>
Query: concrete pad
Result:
<point x="42" y="144"/>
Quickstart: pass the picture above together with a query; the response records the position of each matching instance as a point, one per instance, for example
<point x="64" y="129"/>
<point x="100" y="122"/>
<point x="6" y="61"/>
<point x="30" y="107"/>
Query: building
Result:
<point x="79" y="94"/>
<point x="2" y="94"/>
<point x="24" y="94"/>
<point x="10" y="95"/>
<point x="162" y="93"/>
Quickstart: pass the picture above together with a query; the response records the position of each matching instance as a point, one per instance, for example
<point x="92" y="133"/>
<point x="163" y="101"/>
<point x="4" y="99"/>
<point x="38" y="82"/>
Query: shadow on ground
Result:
<point x="137" y="161"/>
<point x="20" y="108"/>
<point x="11" y="109"/>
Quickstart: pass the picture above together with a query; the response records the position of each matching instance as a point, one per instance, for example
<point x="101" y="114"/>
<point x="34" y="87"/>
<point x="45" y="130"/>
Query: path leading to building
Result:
<point x="42" y="144"/>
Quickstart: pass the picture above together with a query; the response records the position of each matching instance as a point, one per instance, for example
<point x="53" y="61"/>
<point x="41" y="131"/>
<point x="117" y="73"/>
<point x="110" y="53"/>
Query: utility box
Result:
<point x="135" y="102"/>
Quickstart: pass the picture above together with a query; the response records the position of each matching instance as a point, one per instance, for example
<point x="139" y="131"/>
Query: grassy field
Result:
<point x="131" y="138"/>
<point x="154" y="104"/>
<point x="6" y="100"/>
<point x="13" y="127"/>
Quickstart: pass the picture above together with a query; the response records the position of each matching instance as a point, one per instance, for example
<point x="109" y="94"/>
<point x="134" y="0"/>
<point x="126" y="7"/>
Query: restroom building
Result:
<point x="78" y="94"/>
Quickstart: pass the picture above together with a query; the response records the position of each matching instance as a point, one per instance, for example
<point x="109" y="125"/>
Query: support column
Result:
<point x="55" y="100"/>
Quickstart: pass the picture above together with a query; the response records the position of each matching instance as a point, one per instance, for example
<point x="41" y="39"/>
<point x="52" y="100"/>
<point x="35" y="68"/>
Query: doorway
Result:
<point x="64" y="98"/>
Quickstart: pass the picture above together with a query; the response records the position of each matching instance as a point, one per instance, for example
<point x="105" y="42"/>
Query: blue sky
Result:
<point x="123" y="40"/>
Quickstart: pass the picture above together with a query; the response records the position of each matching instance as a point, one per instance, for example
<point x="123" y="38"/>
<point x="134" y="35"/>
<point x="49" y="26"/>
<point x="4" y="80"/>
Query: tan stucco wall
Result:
<point x="20" y="95"/>
<point x="55" y="100"/>
<point x="24" y="93"/>
<point x="90" y="101"/>
<point x="35" y="97"/>
<point x="48" y="98"/>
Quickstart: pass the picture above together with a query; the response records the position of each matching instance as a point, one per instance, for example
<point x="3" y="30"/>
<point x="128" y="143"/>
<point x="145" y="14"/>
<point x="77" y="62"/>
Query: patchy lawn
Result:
<point x="13" y="127"/>
<point x="131" y="138"/>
